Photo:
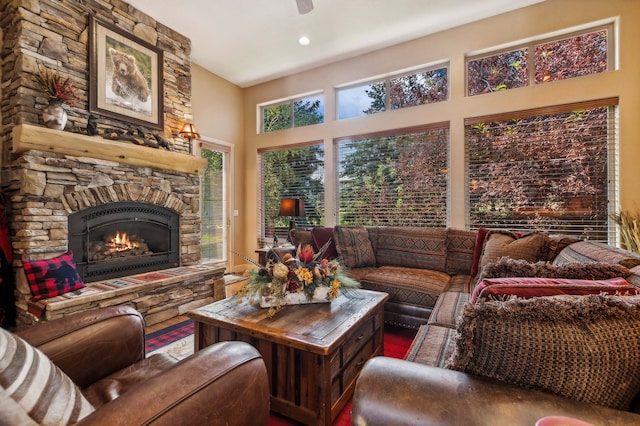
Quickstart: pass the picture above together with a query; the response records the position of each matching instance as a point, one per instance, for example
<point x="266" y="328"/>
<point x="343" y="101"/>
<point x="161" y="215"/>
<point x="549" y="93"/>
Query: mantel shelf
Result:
<point x="27" y="137"/>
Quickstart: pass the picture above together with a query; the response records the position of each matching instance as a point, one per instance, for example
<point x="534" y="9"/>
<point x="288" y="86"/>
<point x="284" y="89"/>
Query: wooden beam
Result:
<point x="27" y="137"/>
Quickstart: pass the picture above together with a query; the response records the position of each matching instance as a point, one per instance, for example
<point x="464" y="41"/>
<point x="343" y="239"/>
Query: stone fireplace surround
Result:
<point x="53" y="174"/>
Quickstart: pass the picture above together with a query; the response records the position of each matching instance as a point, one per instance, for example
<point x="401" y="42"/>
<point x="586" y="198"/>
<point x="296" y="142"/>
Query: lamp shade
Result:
<point x="291" y="207"/>
<point x="189" y="131"/>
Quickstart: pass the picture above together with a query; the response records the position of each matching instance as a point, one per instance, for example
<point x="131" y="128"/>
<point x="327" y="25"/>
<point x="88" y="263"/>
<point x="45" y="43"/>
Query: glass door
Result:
<point x="215" y="220"/>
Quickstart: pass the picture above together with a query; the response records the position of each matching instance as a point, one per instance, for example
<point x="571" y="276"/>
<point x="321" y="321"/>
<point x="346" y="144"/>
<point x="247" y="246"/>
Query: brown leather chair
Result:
<point x="103" y="352"/>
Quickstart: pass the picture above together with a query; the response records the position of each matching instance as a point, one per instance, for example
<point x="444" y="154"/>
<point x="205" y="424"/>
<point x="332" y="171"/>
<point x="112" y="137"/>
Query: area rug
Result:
<point x="177" y="340"/>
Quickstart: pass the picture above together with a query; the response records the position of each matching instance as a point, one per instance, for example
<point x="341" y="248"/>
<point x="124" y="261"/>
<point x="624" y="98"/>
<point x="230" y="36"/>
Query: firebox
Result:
<point x="124" y="238"/>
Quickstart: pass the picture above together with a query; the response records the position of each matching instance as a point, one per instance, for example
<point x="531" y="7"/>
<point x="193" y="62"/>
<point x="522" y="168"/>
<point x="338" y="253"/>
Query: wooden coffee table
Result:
<point x="313" y="353"/>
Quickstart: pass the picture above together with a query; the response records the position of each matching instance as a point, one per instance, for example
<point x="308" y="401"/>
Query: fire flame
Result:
<point x="121" y="242"/>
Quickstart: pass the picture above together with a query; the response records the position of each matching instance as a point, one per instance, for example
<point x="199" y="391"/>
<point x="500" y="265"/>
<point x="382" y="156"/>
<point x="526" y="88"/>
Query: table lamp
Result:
<point x="292" y="207"/>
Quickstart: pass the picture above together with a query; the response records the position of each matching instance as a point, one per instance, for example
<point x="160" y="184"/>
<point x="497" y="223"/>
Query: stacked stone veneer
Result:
<point x="55" y="33"/>
<point x="42" y="189"/>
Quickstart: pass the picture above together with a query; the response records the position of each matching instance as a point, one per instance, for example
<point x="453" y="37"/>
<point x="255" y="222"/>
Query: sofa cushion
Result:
<point x="321" y="235"/>
<point x="579" y="347"/>
<point x="498" y="244"/>
<point x="507" y="267"/>
<point x="37" y="385"/>
<point x="407" y="285"/>
<point x="502" y="288"/>
<point x="447" y="308"/>
<point x="412" y="247"/>
<point x="52" y="277"/>
<point x="589" y="251"/>
<point x="353" y="246"/>
<point x="433" y="345"/>
<point x="460" y="248"/>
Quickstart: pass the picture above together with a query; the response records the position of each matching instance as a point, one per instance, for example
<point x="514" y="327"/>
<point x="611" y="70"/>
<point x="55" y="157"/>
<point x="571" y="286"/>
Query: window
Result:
<point x="294" y="113"/>
<point x="571" y="57"/>
<point x="549" y="170"/>
<point x="214" y="202"/>
<point x="398" y="91"/>
<point x="399" y="178"/>
<point x="498" y="72"/>
<point x="291" y="172"/>
<point x="552" y="59"/>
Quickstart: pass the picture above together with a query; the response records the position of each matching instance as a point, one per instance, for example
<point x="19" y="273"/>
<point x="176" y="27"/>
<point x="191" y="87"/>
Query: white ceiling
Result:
<point x="251" y="41"/>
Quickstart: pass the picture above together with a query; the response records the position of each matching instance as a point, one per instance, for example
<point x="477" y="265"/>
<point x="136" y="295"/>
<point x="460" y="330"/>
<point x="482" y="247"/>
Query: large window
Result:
<point x="552" y="59"/>
<point x="399" y="178"/>
<point x="397" y="91"/>
<point x="549" y="170"/>
<point x="291" y="172"/>
<point x="293" y="113"/>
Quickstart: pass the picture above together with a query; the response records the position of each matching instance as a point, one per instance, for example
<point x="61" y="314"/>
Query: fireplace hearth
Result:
<point x="123" y="238"/>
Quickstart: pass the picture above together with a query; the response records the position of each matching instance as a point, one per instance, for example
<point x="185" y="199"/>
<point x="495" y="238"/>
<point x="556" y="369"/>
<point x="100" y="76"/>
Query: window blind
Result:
<point x="295" y="171"/>
<point x="396" y="178"/>
<point x="552" y="169"/>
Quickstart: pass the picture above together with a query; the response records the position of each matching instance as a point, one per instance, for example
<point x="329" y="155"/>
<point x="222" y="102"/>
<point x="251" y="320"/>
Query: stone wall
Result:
<point x="42" y="189"/>
<point x="55" y="33"/>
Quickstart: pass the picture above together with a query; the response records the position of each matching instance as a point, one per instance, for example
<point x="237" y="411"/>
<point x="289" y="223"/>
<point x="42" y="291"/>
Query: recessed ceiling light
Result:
<point x="304" y="40"/>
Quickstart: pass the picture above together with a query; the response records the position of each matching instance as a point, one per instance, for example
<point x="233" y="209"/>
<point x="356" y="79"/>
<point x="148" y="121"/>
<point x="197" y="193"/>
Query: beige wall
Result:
<point x="452" y="45"/>
<point x="218" y="115"/>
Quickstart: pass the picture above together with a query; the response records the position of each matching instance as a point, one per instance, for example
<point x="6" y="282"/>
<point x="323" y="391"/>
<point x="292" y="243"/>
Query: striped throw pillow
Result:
<point x="45" y="393"/>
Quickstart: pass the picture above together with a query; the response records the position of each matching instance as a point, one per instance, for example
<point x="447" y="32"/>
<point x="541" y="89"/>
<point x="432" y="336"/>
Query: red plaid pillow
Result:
<point x="52" y="277"/>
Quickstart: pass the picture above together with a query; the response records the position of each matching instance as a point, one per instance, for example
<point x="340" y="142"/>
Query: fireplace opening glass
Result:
<point x="123" y="238"/>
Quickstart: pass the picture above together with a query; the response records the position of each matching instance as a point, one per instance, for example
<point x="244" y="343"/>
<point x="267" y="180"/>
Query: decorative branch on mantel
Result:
<point x="27" y="137"/>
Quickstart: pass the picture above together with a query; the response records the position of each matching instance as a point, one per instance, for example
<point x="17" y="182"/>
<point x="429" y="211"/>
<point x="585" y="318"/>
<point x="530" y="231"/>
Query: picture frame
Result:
<point x="125" y="76"/>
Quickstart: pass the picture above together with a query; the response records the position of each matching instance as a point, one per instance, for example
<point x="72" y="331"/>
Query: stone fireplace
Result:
<point x="58" y="200"/>
<point x="123" y="238"/>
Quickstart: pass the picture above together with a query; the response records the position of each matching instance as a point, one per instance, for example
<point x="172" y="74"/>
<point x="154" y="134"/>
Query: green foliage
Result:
<point x="293" y="173"/>
<point x="395" y="180"/>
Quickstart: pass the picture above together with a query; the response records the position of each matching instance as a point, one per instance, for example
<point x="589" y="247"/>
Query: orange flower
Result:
<point x="306" y="254"/>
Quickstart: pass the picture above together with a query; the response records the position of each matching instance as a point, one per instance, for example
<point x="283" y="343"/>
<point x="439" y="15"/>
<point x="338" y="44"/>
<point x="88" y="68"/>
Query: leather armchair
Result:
<point x="397" y="392"/>
<point x="103" y="352"/>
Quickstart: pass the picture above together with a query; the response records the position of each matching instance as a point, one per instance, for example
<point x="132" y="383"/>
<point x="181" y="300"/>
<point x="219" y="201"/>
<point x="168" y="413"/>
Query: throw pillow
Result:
<point x="354" y="247"/>
<point x="477" y="251"/>
<point x="52" y="277"/>
<point x="321" y="235"/>
<point x="37" y="385"/>
<point x="573" y="346"/>
<point x="497" y="244"/>
<point x="527" y="287"/>
<point x="507" y="267"/>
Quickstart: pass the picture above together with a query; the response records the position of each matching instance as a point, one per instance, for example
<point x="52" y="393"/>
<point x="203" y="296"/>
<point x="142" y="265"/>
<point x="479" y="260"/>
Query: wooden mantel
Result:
<point x="27" y="137"/>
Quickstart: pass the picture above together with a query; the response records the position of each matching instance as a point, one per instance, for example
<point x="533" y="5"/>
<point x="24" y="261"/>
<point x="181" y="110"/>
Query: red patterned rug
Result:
<point x="396" y="344"/>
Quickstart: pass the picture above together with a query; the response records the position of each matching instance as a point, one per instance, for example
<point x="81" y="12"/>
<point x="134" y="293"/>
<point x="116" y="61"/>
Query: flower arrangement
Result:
<point x="55" y="88"/>
<point x="306" y="273"/>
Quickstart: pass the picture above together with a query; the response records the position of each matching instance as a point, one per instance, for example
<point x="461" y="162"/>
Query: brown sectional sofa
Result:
<point x="581" y="351"/>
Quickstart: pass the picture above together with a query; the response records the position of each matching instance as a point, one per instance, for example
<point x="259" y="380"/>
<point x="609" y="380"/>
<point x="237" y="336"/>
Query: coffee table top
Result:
<point x="315" y="327"/>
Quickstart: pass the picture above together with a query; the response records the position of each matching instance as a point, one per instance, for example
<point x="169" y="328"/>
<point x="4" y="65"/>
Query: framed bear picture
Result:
<point x="125" y="76"/>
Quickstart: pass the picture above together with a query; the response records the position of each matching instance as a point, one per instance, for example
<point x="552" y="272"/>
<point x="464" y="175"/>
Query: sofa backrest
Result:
<point x="409" y="247"/>
<point x="460" y="249"/>
<point x="589" y="251"/>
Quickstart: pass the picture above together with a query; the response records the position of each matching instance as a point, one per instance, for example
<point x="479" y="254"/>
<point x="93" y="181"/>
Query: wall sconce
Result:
<point x="293" y="207"/>
<point x="190" y="132"/>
